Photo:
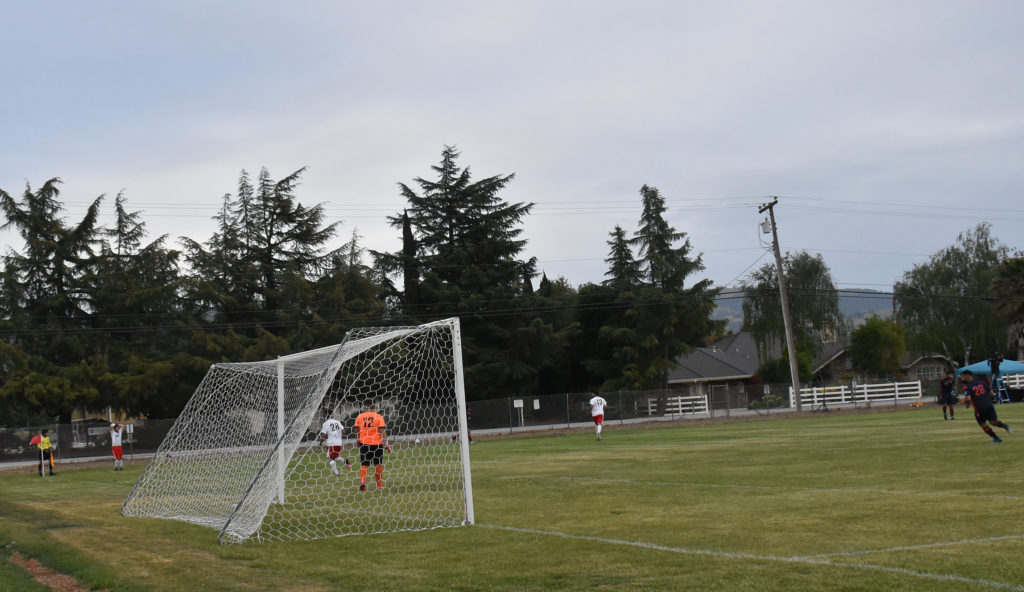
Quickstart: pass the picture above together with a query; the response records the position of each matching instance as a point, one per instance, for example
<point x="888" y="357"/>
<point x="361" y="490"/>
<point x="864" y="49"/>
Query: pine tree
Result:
<point x="50" y="306"/>
<point x="464" y="258"/>
<point x="267" y="242"/>
<point x="665" y="317"/>
<point x="624" y="271"/>
<point x="133" y="294"/>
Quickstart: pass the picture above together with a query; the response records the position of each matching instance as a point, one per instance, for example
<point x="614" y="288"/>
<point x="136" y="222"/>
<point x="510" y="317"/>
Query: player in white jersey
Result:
<point x="333" y="432"/>
<point x="597" y="405"/>
<point x="115" y="446"/>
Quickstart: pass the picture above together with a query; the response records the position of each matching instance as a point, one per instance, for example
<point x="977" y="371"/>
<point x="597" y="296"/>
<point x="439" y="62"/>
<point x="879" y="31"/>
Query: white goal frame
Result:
<point x="244" y="455"/>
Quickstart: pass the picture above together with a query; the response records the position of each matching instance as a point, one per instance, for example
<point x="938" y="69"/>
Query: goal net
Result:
<point x="244" y="456"/>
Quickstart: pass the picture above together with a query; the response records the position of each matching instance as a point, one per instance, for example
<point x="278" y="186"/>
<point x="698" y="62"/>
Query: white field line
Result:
<point x="916" y="547"/>
<point x="774" y="558"/>
<point x="943" y="494"/>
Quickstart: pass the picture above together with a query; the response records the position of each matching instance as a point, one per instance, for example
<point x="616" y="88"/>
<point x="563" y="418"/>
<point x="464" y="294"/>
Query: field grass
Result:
<point x="897" y="500"/>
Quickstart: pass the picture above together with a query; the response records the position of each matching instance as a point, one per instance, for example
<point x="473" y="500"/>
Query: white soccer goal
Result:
<point x="243" y="456"/>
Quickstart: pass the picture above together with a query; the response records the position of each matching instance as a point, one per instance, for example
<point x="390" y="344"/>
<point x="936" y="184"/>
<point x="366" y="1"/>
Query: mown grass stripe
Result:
<point x="812" y="560"/>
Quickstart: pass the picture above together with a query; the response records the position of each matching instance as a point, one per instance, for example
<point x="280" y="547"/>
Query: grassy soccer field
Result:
<point x="896" y="500"/>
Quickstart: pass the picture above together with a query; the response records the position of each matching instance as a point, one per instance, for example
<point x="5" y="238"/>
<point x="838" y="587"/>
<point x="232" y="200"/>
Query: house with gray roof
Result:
<point x="729" y="366"/>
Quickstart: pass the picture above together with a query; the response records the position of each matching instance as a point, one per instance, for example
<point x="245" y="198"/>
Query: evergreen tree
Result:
<point x="222" y="284"/>
<point x="467" y="244"/>
<point x="666" y="317"/>
<point x="267" y="242"/>
<point x="49" y="308"/>
<point x="133" y="295"/>
<point x="624" y="271"/>
<point x="347" y="294"/>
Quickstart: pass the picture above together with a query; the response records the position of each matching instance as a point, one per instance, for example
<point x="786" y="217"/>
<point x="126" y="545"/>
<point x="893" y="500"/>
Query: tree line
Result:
<point x="965" y="304"/>
<point x="95" y="316"/>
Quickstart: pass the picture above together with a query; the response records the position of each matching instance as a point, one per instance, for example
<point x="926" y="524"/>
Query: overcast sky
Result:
<point x="885" y="128"/>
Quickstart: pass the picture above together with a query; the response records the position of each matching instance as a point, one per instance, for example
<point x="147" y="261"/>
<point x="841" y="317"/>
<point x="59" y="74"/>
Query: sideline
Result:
<point x="815" y="561"/>
<point x="22" y="464"/>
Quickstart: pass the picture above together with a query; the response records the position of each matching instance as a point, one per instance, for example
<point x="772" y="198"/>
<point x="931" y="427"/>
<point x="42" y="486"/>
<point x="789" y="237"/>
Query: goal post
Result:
<point x="244" y="457"/>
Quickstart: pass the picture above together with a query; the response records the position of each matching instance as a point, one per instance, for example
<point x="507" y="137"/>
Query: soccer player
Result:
<point x="372" y="444"/>
<point x="946" y="395"/>
<point x="115" y="446"/>
<point x="333" y="432"/>
<point x="45" y="451"/>
<point x="597" y="405"/>
<point x="980" y="396"/>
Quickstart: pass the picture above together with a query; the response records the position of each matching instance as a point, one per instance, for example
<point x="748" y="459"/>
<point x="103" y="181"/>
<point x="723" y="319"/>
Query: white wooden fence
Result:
<point x="858" y="394"/>
<point x="681" y="405"/>
<point x="1014" y="381"/>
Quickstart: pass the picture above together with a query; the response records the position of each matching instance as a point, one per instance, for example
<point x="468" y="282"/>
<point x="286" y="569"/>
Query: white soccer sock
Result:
<point x="334" y="467"/>
<point x="599" y="429"/>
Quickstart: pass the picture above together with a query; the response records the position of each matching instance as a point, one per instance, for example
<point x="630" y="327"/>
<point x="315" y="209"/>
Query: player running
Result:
<point x="372" y="444"/>
<point x="979" y="394"/>
<point x="597" y="405"/>
<point x="333" y="432"/>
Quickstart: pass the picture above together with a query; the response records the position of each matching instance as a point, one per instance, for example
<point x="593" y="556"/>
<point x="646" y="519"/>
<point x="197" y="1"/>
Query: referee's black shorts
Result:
<point x="370" y="454"/>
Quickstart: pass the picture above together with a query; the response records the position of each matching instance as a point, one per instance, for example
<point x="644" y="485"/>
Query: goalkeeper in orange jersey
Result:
<point x="372" y="444"/>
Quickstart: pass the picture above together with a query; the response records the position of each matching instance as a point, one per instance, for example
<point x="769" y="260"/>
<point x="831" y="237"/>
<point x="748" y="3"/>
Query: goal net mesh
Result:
<point x="243" y="457"/>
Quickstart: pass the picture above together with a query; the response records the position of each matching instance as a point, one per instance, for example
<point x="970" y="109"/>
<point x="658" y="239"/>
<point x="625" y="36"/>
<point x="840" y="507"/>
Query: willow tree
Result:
<point x="813" y="304"/>
<point x="944" y="303"/>
<point x="1008" y="293"/>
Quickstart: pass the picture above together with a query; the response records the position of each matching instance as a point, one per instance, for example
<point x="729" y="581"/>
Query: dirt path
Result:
<point x="53" y="580"/>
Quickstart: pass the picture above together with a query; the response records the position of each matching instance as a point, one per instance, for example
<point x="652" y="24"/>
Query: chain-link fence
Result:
<point x="566" y="409"/>
<point x="91" y="439"/>
<point x="82" y="440"/>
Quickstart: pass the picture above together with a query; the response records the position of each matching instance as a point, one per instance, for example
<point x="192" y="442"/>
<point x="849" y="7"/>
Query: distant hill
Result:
<point x="855" y="305"/>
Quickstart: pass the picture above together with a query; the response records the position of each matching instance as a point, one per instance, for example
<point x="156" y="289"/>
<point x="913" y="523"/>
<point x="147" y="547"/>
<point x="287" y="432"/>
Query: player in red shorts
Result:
<point x="597" y="405"/>
<point x="115" y="446"/>
<point x="333" y="432"/>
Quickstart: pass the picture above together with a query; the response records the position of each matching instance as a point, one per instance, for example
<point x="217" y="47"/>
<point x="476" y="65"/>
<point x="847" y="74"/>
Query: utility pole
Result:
<point x="794" y="374"/>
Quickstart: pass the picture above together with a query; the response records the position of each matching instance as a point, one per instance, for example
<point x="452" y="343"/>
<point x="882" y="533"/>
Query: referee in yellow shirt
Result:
<point x="45" y="451"/>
